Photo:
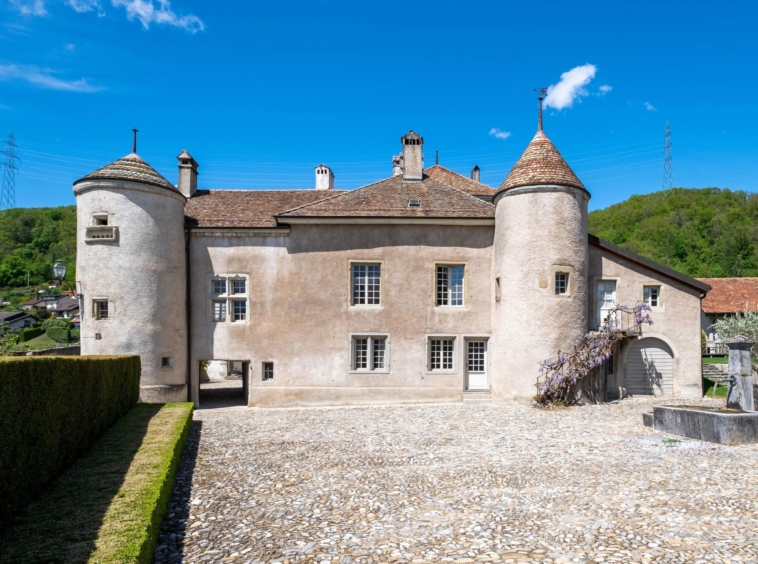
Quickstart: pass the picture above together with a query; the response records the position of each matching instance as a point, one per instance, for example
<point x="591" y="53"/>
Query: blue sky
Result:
<point x="261" y="92"/>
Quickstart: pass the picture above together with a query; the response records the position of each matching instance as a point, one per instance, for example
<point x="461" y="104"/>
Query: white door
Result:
<point x="649" y="368"/>
<point x="606" y="301"/>
<point x="476" y="365"/>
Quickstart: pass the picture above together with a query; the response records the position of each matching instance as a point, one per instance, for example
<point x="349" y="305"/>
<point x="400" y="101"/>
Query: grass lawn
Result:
<point x="715" y="360"/>
<point x="711" y="391"/>
<point x="109" y="505"/>
<point x="42" y="340"/>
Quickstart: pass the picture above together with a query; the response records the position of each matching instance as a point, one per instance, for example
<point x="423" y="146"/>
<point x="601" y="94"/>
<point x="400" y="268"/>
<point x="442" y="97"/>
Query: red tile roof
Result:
<point x="130" y="167"/>
<point x="390" y="198"/>
<point x="459" y="181"/>
<point x="541" y="163"/>
<point x="730" y="295"/>
<point x="247" y="208"/>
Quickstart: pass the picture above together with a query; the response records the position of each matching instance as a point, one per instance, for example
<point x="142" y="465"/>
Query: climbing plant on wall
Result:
<point x="559" y="376"/>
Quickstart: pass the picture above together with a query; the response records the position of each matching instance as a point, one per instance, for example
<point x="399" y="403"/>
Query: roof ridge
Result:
<point x="344" y="193"/>
<point x="462" y="192"/>
<point x="450" y="170"/>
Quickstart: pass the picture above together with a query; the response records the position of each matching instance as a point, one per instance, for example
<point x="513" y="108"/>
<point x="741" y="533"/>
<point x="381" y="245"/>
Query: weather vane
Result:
<point x="134" y="141"/>
<point x="542" y="96"/>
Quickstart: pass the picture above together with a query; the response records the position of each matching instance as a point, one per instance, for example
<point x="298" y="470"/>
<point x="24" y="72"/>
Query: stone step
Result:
<point x="477" y="397"/>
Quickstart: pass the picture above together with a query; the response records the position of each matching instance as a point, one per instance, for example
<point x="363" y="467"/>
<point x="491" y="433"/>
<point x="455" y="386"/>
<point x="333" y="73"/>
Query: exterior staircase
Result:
<point x="477" y="397"/>
<point x="717" y="372"/>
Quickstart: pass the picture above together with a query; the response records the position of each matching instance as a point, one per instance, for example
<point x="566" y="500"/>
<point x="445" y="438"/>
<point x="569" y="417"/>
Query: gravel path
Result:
<point x="463" y="483"/>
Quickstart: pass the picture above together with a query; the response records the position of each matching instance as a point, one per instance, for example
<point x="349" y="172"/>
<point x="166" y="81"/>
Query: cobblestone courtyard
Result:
<point x="464" y="483"/>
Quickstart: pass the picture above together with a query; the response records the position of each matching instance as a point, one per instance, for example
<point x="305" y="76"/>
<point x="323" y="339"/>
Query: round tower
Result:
<point x="131" y="271"/>
<point x="540" y="266"/>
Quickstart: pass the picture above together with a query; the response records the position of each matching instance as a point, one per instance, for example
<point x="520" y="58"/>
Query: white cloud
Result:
<point x="651" y="107"/>
<point x="71" y="47"/>
<point x="30" y="7"/>
<point x="497" y="134"/>
<point x="570" y="88"/>
<point x="146" y="12"/>
<point x="44" y="79"/>
<point x="604" y="89"/>
<point x="85" y="5"/>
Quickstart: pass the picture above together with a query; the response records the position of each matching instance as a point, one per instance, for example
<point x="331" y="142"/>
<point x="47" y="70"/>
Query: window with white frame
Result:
<point x="369" y="353"/>
<point x="367" y="281"/>
<point x="229" y="300"/>
<point x="100" y="309"/>
<point x="475" y="356"/>
<point x="441" y="353"/>
<point x="651" y="295"/>
<point x="561" y="283"/>
<point x="450" y="285"/>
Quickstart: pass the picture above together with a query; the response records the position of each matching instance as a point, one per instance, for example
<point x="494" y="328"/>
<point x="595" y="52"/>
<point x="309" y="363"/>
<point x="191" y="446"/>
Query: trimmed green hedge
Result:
<point x="52" y="408"/>
<point x="30" y="334"/>
<point x="59" y="334"/>
<point x="48" y="323"/>
<point x="75" y="334"/>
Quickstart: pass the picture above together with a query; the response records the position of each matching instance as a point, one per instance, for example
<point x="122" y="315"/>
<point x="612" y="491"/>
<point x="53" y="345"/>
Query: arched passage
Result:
<point x="649" y="368"/>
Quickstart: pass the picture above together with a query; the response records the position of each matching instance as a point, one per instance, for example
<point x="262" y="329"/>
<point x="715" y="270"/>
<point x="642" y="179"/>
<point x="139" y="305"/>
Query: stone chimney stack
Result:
<point x="413" y="156"/>
<point x="475" y="173"/>
<point x="187" y="174"/>
<point x="397" y="165"/>
<point x="324" y="178"/>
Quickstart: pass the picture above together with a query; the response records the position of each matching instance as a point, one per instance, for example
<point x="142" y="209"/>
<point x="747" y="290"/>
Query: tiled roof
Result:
<point x="459" y="181"/>
<point x="8" y="316"/>
<point x="390" y="198"/>
<point x="246" y="208"/>
<point x="130" y="167"/>
<point x="541" y="163"/>
<point x="730" y="295"/>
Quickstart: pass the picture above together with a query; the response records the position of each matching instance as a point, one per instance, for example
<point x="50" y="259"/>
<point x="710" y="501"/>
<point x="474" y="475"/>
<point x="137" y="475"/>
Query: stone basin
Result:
<point x="722" y="425"/>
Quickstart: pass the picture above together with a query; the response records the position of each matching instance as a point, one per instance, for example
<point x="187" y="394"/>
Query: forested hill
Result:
<point x="701" y="232"/>
<point x="706" y="232"/>
<point x="31" y="239"/>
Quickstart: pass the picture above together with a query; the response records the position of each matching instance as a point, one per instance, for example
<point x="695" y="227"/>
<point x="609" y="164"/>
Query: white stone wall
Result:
<point x="301" y="319"/>
<point x="142" y="275"/>
<point x="538" y="231"/>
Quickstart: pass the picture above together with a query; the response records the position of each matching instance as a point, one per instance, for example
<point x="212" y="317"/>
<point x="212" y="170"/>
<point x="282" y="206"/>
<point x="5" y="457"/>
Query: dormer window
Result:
<point x="414" y="203"/>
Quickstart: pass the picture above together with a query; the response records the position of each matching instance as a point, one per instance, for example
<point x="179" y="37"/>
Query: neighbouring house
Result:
<point x="36" y="303"/>
<point x="425" y="286"/>
<point x="16" y="320"/>
<point x="727" y="297"/>
<point x="66" y="308"/>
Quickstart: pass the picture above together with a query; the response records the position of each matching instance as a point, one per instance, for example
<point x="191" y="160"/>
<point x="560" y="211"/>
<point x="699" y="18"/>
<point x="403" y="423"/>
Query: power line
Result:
<point x="8" y="191"/>
<point x="668" y="160"/>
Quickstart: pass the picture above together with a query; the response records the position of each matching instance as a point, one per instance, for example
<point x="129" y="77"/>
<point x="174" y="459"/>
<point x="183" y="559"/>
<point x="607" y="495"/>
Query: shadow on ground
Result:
<point x="170" y="546"/>
<point x="63" y="524"/>
<point x="226" y="393"/>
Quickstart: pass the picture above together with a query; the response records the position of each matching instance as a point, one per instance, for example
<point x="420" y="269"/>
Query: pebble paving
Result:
<point x="459" y="483"/>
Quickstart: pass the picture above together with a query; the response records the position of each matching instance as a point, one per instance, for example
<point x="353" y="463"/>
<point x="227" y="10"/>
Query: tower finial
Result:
<point x="134" y="141"/>
<point x="543" y="95"/>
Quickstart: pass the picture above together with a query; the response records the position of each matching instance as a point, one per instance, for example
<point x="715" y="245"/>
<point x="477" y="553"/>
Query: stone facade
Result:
<point x="474" y="287"/>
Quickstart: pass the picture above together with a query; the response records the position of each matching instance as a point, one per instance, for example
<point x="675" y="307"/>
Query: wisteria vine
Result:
<point x="559" y="375"/>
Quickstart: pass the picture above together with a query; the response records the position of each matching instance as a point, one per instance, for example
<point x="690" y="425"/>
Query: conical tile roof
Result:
<point x="131" y="167"/>
<point x="541" y="163"/>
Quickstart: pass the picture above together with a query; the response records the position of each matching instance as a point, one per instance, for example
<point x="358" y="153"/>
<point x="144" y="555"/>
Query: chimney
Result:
<point x="324" y="178"/>
<point x="475" y="173"/>
<point x="397" y="165"/>
<point x="187" y="174"/>
<point x="413" y="156"/>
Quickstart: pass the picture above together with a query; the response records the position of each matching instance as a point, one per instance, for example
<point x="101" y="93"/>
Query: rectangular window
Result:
<point x="101" y="309"/>
<point x="441" y="354"/>
<point x="370" y="353"/>
<point x="219" y="287"/>
<point x="219" y="311"/>
<point x="450" y="285"/>
<point x="240" y="310"/>
<point x="561" y="283"/>
<point x="268" y="371"/>
<point x="367" y="284"/>
<point x="238" y="286"/>
<point x="651" y="295"/>
<point x="167" y="362"/>
<point x="475" y="355"/>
